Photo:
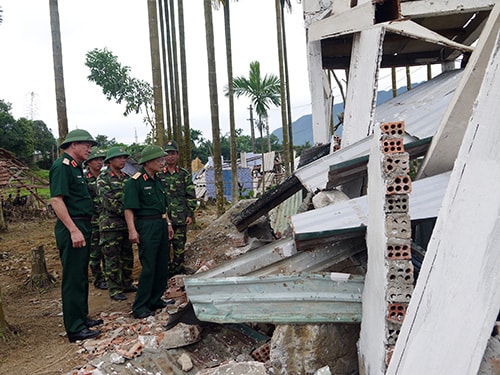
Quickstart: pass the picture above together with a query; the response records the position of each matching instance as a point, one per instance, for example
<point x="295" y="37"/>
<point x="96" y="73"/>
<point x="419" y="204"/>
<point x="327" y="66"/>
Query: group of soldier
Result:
<point x="101" y="212"/>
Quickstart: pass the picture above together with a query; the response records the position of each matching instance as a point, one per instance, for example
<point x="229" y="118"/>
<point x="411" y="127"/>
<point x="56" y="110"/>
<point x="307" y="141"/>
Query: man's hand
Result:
<point x="189" y="220"/>
<point x="77" y="238"/>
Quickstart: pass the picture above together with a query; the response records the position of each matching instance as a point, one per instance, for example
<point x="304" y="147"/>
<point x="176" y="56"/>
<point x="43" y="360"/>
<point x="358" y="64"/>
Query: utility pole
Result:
<point x="252" y="131"/>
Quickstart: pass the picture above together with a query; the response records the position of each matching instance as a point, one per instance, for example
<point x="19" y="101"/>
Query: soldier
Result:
<point x="149" y="226"/>
<point x="72" y="204"/>
<point x="94" y="164"/>
<point x="114" y="241"/>
<point x="181" y="196"/>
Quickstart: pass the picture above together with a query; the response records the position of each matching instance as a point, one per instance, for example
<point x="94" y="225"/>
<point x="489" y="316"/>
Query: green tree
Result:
<point x="116" y="83"/>
<point x="104" y="142"/>
<point x="262" y="91"/>
<point x="44" y="143"/>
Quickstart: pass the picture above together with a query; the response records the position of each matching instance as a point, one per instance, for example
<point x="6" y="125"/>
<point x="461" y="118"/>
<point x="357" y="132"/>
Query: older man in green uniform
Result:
<point x="94" y="165"/>
<point x="72" y="204"/>
<point x="182" y="202"/>
<point x="115" y="244"/>
<point x="149" y="227"/>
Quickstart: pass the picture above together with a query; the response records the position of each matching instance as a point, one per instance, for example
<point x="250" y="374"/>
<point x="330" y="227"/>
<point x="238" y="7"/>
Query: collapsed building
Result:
<point x="422" y="244"/>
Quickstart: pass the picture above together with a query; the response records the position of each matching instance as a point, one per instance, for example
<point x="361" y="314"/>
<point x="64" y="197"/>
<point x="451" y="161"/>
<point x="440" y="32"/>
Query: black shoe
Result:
<point x="83" y="335"/>
<point x="163" y="303"/>
<point x="101" y="285"/>
<point x="130" y="289"/>
<point x="92" y="323"/>
<point x="119" y="297"/>
<point x="145" y="314"/>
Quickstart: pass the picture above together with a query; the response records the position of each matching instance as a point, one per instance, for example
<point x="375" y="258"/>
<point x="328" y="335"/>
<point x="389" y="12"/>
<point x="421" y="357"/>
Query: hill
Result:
<point x="302" y="127"/>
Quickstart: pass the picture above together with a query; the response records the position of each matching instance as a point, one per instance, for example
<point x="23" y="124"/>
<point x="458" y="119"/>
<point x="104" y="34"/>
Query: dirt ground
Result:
<point x="40" y="345"/>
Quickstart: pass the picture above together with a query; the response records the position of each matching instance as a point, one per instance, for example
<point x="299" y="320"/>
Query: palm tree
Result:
<point x="62" y="118"/>
<point x="284" y="121"/>
<point x="214" y="106"/>
<point x="262" y="91"/>
<point x="163" y="31"/>
<point x="185" y="104"/>
<point x="232" y="126"/>
<point x="156" y="70"/>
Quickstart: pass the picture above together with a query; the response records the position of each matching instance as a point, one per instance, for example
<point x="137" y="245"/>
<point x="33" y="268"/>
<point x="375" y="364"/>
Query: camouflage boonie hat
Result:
<point x="170" y="146"/>
<point x="114" y="152"/>
<point x="96" y="153"/>
<point x="151" y="152"/>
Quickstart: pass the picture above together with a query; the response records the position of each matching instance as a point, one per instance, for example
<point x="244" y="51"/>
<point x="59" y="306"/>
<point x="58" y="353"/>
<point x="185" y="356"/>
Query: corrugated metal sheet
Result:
<point x="423" y="107"/>
<point x="279" y="216"/>
<point x="278" y="299"/>
<point x="351" y="216"/>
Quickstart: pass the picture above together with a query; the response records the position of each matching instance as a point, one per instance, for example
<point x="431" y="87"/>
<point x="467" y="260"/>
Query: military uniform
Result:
<point x="96" y="256"/>
<point x="114" y="242"/>
<point x="181" y="195"/>
<point x="145" y="196"/>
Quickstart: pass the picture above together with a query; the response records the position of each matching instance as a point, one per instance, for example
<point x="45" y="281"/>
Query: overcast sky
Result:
<point x="27" y="76"/>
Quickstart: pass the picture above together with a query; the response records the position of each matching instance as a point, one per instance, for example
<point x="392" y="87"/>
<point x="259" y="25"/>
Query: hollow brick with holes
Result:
<point x="398" y="185"/>
<point x="396" y="203"/>
<point x="396" y="164"/>
<point x="392" y="331"/>
<point x="398" y="226"/>
<point x="400" y="272"/>
<point x="397" y="250"/>
<point x="262" y="353"/>
<point x="398" y="292"/>
<point x="393" y="128"/>
<point x="396" y="312"/>
<point x="393" y="146"/>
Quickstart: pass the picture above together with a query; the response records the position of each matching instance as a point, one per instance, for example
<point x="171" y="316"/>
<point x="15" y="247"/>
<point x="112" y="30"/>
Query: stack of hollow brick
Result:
<point x="396" y="168"/>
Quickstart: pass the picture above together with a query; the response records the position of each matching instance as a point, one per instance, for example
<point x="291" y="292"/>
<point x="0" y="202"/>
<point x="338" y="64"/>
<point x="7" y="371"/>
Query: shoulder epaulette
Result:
<point x="136" y="175"/>
<point x="65" y="161"/>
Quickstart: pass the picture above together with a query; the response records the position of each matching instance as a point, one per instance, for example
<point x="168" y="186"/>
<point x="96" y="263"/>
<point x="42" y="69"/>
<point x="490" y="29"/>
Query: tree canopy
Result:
<point x="25" y="138"/>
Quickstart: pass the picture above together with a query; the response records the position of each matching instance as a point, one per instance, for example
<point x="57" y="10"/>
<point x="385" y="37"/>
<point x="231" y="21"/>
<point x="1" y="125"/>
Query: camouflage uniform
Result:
<point x="114" y="241"/>
<point x="96" y="262"/>
<point x="181" y="194"/>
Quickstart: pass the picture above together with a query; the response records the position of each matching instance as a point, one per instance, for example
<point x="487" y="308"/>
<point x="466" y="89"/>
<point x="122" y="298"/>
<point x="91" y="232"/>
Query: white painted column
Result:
<point x="362" y="85"/>
<point x="321" y="96"/>
<point x="372" y="339"/>
<point x="457" y="296"/>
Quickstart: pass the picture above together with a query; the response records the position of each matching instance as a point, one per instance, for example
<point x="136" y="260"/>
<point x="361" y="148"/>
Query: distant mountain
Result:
<point x="302" y="127"/>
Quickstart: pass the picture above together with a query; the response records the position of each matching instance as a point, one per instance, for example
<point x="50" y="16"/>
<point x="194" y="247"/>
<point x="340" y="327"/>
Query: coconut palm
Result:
<point x="62" y="118"/>
<point x="214" y="106"/>
<point x="156" y="70"/>
<point x="262" y="91"/>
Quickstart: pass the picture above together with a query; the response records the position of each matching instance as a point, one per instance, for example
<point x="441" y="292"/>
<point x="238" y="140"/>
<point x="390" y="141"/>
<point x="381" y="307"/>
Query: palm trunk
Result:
<point x="284" y="121"/>
<point x="163" y="25"/>
<point x="62" y="118"/>
<point x="156" y="69"/>
<point x="185" y="101"/>
<point x="287" y="88"/>
<point x="214" y="107"/>
<point x="173" y="102"/>
<point x="232" y="126"/>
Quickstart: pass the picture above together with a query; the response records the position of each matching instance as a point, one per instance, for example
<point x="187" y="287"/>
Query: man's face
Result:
<point x="96" y="164"/>
<point x="155" y="165"/>
<point x="81" y="150"/>
<point x="172" y="157"/>
<point x="118" y="162"/>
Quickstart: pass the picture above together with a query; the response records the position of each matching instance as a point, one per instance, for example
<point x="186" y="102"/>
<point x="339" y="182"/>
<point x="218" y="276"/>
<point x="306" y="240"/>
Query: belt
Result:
<point x="152" y="217"/>
<point x="81" y="218"/>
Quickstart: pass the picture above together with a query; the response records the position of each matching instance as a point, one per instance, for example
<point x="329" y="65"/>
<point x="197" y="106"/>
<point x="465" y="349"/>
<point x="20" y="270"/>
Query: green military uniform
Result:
<point x="96" y="256"/>
<point x="145" y="195"/>
<point x="181" y="195"/>
<point x="115" y="244"/>
<point x="67" y="180"/>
